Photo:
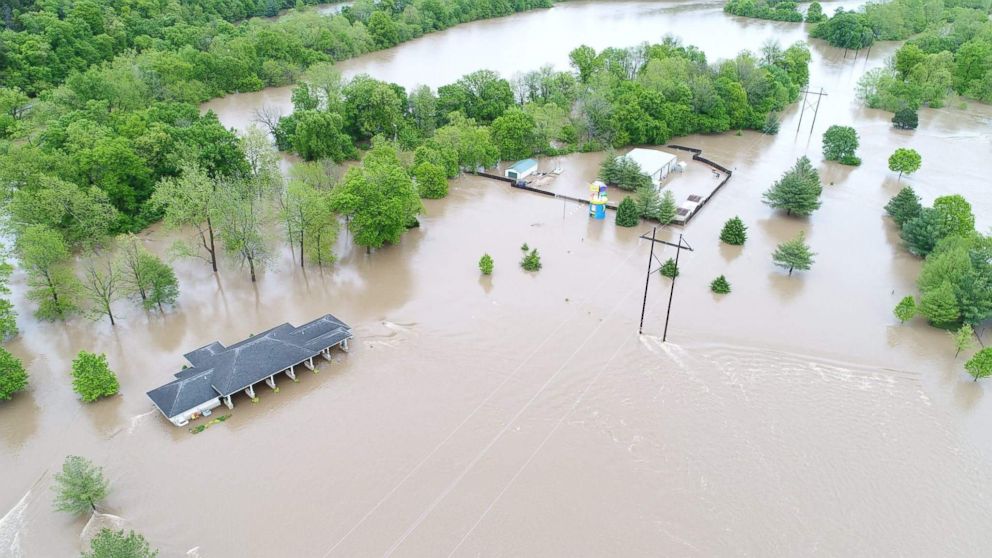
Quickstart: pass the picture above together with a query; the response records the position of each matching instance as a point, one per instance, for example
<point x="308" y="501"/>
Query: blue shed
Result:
<point x="522" y="169"/>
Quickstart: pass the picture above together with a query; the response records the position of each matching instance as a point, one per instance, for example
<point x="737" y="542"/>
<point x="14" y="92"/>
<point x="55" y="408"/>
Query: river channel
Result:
<point x="522" y="414"/>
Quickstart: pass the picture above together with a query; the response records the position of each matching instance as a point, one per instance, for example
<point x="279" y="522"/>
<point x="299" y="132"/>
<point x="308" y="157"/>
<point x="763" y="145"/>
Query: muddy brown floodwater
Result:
<point x="522" y="415"/>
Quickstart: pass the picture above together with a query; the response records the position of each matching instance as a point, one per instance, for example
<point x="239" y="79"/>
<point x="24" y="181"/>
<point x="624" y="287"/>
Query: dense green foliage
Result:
<point x="980" y="365"/>
<point x="669" y="269"/>
<point x="648" y="202"/>
<point x="904" y="206"/>
<point x="668" y="209"/>
<point x="13" y="377"/>
<point x="486" y="264"/>
<point x="906" y="309"/>
<point x="117" y="544"/>
<point x="814" y="14"/>
<point x="531" y="261"/>
<point x="798" y="191"/>
<point x="794" y="254"/>
<point x="720" y="285"/>
<point x="80" y="486"/>
<point x="906" y="119"/>
<point x="627" y="214"/>
<point x="431" y="180"/>
<point x="905" y="161"/>
<point x="92" y="377"/>
<point x="734" y="232"/>
<point x="623" y="172"/>
<point x="840" y="143"/>
<point x="8" y="317"/>
<point x="51" y="283"/>
<point x="964" y="339"/>
<point x="777" y="10"/>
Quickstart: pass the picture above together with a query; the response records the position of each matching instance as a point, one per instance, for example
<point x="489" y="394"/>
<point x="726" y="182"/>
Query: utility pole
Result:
<point x="682" y="244"/>
<point x="808" y="103"/>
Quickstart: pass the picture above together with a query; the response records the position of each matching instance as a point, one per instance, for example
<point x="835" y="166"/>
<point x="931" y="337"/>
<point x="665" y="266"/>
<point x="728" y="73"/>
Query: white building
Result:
<point x="656" y="164"/>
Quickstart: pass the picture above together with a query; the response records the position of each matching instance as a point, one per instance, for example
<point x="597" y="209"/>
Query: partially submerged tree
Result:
<point x="80" y="486"/>
<point x="905" y="161"/>
<point x="92" y="377"/>
<point x="627" y="214"/>
<point x="668" y="209"/>
<point x="531" y="261"/>
<point x="8" y="317"/>
<point x="720" y="285"/>
<point x="102" y="286"/>
<point x="794" y="254"/>
<point x="191" y="200"/>
<point x="798" y="191"/>
<point x="940" y="306"/>
<point x="669" y="269"/>
<point x="163" y="286"/>
<point x="486" y="264"/>
<point x="906" y="309"/>
<point x="904" y="206"/>
<point x="964" y="339"/>
<point x="431" y="180"/>
<point x="117" y="544"/>
<point x="840" y="143"/>
<point x="623" y="172"/>
<point x="13" y="377"/>
<point x="242" y="218"/>
<point x="51" y="283"/>
<point x="980" y="365"/>
<point x="648" y="202"/>
<point x="734" y="232"/>
<point x="906" y="119"/>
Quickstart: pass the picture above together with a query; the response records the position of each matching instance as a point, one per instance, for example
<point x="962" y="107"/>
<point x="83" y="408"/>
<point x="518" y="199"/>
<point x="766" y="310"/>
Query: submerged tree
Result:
<point x="964" y="339"/>
<point x="8" y="317"/>
<point x="51" y="283"/>
<point x="720" y="285"/>
<point x="163" y="287"/>
<point x="648" y="202"/>
<point x="431" y="180"/>
<point x="242" y="218"/>
<point x="13" y="377"/>
<point x="906" y="119"/>
<point x="840" y="143"/>
<point x="940" y="306"/>
<point x="906" y="309"/>
<point x="798" y="191"/>
<point x="117" y="544"/>
<point x="904" y="206"/>
<point x="627" y="214"/>
<point x="80" y="486"/>
<point x="486" y="264"/>
<point x="668" y="209"/>
<point x="980" y="365"/>
<point x="669" y="269"/>
<point x="190" y="200"/>
<point x="734" y="232"/>
<point x="905" y="161"/>
<point x="531" y="261"/>
<point x="92" y="377"/>
<point x="102" y="286"/>
<point x="794" y="254"/>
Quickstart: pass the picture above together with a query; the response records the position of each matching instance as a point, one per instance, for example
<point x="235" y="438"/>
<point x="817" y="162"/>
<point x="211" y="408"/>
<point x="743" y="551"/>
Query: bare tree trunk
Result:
<point x="301" y="249"/>
<point x="251" y="266"/>
<point x="212" y="249"/>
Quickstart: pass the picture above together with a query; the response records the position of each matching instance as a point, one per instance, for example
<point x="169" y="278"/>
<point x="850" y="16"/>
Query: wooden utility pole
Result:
<point x="682" y="245"/>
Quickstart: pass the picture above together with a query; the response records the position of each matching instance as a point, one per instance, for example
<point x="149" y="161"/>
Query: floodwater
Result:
<point x="521" y="414"/>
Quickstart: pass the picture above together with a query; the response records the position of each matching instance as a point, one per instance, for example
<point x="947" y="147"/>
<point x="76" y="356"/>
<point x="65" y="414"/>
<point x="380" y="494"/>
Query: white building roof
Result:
<point x="650" y="160"/>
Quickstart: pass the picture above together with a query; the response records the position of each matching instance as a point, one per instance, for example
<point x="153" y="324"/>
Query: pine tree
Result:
<point x="798" y="191"/>
<point x="648" y="202"/>
<point x="720" y="285"/>
<point x="794" y="254"/>
<point x="486" y="264"/>
<point x="906" y="309"/>
<point x="627" y="213"/>
<point x="669" y="269"/>
<point x="531" y="261"/>
<point x="734" y="232"/>
<point x="667" y="210"/>
<point x="904" y="206"/>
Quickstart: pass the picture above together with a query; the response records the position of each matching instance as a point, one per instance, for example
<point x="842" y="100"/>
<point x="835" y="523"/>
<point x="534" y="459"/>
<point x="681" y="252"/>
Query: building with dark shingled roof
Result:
<point x="218" y="372"/>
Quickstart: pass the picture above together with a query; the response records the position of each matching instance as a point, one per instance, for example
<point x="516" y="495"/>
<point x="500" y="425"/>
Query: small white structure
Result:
<point x="521" y="169"/>
<point x="656" y="164"/>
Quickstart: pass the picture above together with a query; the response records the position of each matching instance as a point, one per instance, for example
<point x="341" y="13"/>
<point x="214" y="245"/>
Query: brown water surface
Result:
<point x="521" y="414"/>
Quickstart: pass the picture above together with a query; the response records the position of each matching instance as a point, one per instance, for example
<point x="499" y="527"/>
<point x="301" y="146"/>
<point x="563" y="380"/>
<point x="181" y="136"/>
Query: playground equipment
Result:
<point x="597" y="200"/>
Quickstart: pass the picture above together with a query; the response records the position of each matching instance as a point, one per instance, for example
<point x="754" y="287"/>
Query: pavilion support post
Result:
<point x="326" y="353"/>
<point x="228" y="402"/>
<point x="308" y="363"/>
<point x="344" y="345"/>
<point x="290" y="373"/>
<point x="250" y="392"/>
<point x="271" y="381"/>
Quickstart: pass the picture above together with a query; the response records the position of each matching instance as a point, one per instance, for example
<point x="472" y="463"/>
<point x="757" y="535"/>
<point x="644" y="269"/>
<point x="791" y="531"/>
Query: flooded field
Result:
<point x="522" y="415"/>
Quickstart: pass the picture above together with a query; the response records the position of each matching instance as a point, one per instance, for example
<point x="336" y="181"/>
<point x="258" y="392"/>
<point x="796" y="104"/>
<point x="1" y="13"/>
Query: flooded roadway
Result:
<point x="521" y="414"/>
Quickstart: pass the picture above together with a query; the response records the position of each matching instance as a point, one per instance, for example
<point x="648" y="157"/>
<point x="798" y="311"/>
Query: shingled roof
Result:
<point x="219" y="371"/>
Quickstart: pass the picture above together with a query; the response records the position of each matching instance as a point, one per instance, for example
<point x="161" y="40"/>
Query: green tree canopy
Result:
<point x="668" y="209"/>
<point x="51" y="283"/>
<point x="794" y="254"/>
<point x="627" y="214"/>
<point x="840" y="143"/>
<point x="720" y="285"/>
<point x="92" y="377"/>
<point x="13" y="377"/>
<point x="904" y="206"/>
<point x="117" y="544"/>
<point x="431" y="181"/>
<point x="905" y="161"/>
<point x="80" y="486"/>
<point x="980" y="365"/>
<point x="956" y="213"/>
<point x="514" y="134"/>
<point x="798" y="191"/>
<point x="906" y="309"/>
<point x="734" y="231"/>
<point x="939" y="305"/>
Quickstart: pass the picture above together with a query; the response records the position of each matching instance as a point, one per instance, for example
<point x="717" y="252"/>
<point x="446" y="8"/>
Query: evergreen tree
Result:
<point x="794" y="254"/>
<point x="80" y="486"/>
<point x="906" y="119"/>
<point x="922" y="233"/>
<point x="980" y="365"/>
<point x="627" y="214"/>
<point x="13" y="377"/>
<point x="906" y="309"/>
<point x="667" y="210"/>
<point x="734" y="232"/>
<point x="939" y="305"/>
<point x="720" y="285"/>
<point x="117" y="544"/>
<point x="904" y="206"/>
<point x="669" y="269"/>
<point x="531" y="261"/>
<point x="486" y="264"/>
<point x="798" y="191"/>
<point x="964" y="339"/>
<point x="648" y="202"/>
<point x="92" y="377"/>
